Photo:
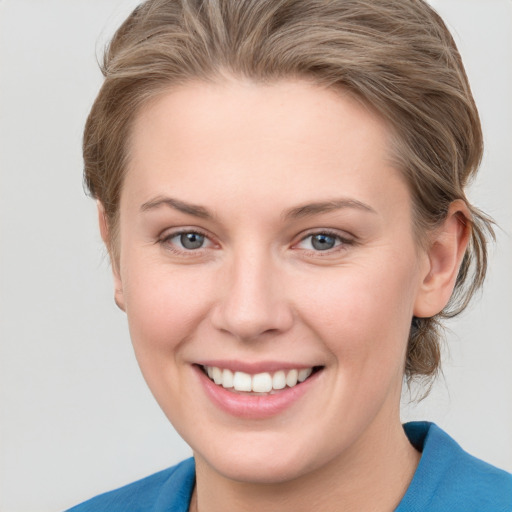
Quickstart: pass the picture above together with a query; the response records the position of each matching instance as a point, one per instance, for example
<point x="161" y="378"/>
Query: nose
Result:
<point x="253" y="299"/>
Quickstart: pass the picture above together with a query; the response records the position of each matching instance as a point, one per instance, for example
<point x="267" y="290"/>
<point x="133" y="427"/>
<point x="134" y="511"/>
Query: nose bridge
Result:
<point x="253" y="301"/>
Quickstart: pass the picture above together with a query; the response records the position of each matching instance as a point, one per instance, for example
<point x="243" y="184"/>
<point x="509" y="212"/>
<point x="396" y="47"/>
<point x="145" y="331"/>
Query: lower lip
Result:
<point x="254" y="406"/>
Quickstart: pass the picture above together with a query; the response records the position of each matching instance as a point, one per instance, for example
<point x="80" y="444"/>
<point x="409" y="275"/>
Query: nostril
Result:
<point x="249" y="325"/>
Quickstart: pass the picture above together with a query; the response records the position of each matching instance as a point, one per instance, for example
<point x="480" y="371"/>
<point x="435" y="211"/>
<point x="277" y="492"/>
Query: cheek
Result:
<point x="163" y="303"/>
<point x="165" y="307"/>
<point x="362" y="313"/>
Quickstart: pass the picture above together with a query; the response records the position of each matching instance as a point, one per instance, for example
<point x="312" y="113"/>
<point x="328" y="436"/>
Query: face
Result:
<point x="269" y="272"/>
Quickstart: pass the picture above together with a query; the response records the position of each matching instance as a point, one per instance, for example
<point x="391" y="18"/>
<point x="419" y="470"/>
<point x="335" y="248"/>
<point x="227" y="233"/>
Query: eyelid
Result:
<point x="344" y="238"/>
<point x="170" y="233"/>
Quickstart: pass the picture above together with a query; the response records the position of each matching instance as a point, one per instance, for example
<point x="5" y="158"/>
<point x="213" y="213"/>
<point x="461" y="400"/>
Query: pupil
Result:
<point x="323" y="242"/>
<point x="191" y="240"/>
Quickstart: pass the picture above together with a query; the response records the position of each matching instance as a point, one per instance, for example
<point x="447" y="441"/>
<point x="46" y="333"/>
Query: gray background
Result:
<point x="75" y="415"/>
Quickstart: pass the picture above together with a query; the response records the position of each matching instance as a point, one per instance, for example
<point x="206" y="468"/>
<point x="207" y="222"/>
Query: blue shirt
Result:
<point x="447" y="479"/>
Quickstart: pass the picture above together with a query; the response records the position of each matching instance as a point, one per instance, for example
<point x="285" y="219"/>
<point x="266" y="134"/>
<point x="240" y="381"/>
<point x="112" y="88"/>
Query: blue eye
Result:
<point x="185" y="241"/>
<point x="321" y="242"/>
<point x="191" y="241"/>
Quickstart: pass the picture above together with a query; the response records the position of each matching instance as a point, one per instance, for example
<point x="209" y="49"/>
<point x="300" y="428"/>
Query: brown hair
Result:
<point x="395" y="55"/>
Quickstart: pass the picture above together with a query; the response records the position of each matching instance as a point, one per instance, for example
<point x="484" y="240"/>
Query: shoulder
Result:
<point x="448" y="478"/>
<point x="168" y="490"/>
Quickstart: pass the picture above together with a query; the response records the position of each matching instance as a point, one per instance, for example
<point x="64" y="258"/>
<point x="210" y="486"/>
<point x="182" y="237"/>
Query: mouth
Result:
<point x="264" y="383"/>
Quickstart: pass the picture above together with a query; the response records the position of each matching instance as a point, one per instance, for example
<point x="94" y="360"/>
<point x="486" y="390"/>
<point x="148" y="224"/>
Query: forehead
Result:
<point x="290" y="141"/>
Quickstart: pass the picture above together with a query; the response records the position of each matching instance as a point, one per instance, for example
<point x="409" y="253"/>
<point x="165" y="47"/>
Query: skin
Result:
<point x="250" y="156"/>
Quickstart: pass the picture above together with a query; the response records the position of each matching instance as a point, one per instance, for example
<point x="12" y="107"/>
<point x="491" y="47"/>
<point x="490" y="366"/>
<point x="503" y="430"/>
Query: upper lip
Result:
<point x="254" y="367"/>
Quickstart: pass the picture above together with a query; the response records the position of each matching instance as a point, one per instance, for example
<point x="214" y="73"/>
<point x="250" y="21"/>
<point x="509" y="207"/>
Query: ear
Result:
<point x="107" y="240"/>
<point x="447" y="247"/>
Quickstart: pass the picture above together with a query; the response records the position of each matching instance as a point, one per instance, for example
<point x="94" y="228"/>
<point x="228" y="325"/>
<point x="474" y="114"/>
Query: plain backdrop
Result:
<point x="76" y="417"/>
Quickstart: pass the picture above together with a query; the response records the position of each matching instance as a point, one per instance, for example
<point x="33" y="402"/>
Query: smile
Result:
<point x="255" y="394"/>
<point x="265" y="382"/>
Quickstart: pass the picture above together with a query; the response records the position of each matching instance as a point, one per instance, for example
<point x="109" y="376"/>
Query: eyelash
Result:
<point x="343" y="242"/>
<point x="165" y="241"/>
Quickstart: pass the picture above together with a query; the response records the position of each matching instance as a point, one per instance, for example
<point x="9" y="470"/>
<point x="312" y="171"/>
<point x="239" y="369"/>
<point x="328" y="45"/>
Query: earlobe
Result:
<point x="447" y="247"/>
<point x="107" y="240"/>
<point x="119" y="299"/>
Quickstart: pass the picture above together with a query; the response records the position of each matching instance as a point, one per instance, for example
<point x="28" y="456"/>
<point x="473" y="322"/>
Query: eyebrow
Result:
<point x="176" y="204"/>
<point x="310" y="209"/>
<point x="301" y="211"/>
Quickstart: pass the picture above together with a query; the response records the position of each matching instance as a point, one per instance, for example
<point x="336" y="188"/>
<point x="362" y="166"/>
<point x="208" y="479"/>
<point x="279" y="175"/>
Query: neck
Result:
<point x="373" y="476"/>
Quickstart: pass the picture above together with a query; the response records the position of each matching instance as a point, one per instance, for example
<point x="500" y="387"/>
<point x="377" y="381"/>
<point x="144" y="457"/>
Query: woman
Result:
<point x="280" y="186"/>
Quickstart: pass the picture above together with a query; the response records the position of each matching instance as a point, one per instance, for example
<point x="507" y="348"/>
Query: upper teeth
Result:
<point x="260" y="382"/>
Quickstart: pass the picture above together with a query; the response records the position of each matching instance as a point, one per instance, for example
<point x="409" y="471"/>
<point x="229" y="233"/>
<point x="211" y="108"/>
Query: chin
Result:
<point x="270" y="463"/>
<point x="252" y="472"/>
